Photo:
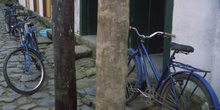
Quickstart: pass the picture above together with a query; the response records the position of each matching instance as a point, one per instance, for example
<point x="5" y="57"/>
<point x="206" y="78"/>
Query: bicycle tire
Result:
<point x="132" y="80"/>
<point x="17" y="76"/>
<point x="200" y="100"/>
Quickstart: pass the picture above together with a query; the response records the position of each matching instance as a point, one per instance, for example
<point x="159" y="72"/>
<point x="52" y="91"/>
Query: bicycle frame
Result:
<point x="13" y="13"/>
<point x="159" y="80"/>
<point x="28" y="45"/>
<point x="33" y="29"/>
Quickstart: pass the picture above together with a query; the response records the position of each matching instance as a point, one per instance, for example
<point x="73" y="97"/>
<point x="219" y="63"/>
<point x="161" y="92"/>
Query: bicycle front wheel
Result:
<point x="190" y="92"/>
<point x="20" y="76"/>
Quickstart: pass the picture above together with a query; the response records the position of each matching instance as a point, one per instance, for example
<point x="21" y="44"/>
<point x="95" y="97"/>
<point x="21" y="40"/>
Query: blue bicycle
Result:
<point x="178" y="88"/>
<point x="11" y="14"/>
<point x="23" y="68"/>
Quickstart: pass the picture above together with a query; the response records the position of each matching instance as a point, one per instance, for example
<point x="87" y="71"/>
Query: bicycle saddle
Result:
<point x="180" y="47"/>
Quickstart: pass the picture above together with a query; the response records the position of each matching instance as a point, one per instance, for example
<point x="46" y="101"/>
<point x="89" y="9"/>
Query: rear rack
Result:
<point x="187" y="67"/>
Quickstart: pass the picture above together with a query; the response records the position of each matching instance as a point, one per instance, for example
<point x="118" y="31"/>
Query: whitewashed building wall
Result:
<point x="22" y="2"/>
<point x="77" y="16"/>
<point x="41" y="13"/>
<point x="31" y="2"/>
<point x="197" y="23"/>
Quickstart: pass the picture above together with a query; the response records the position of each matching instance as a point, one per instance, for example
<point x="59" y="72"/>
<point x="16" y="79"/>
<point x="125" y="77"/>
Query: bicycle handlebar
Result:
<point x="23" y="22"/>
<point x="155" y="33"/>
<point x="29" y="17"/>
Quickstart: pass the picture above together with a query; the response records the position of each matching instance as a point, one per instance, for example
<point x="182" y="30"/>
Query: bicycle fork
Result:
<point x="29" y="61"/>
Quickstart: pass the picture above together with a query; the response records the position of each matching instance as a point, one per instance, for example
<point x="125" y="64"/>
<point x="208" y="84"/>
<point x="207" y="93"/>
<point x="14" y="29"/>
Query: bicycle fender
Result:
<point x="138" y="66"/>
<point x="34" y="51"/>
<point x="206" y="84"/>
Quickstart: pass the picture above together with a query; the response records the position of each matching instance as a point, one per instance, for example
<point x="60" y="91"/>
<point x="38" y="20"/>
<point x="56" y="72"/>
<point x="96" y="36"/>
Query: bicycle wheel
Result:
<point x="17" y="75"/>
<point x="194" y="97"/>
<point x="132" y="79"/>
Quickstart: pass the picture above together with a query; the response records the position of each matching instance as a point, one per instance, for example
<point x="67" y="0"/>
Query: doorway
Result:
<point x="88" y="17"/>
<point x="148" y="16"/>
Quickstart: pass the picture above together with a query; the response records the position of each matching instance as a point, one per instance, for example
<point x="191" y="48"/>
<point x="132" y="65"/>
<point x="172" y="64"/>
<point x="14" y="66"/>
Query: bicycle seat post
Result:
<point x="173" y="55"/>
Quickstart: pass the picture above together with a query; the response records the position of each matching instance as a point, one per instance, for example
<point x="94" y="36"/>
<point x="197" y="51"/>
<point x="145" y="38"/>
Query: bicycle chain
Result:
<point x="154" y="94"/>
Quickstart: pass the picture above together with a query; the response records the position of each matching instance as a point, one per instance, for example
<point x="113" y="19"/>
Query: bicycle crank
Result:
<point x="149" y="97"/>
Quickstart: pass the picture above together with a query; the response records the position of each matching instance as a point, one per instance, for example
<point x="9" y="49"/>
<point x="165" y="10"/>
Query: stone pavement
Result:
<point x="44" y="98"/>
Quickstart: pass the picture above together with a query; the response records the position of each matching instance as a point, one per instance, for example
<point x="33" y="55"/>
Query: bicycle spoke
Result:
<point x="182" y="94"/>
<point x="190" y="94"/>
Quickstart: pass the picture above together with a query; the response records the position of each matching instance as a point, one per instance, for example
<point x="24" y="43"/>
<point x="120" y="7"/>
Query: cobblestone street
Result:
<point x="44" y="98"/>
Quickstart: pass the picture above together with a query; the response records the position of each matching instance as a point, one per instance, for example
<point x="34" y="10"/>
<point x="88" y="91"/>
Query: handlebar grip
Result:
<point x="169" y="34"/>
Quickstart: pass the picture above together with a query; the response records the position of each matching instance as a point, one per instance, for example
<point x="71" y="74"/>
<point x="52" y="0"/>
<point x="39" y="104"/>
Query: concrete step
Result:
<point x="44" y="40"/>
<point x="81" y="51"/>
<point x="88" y="40"/>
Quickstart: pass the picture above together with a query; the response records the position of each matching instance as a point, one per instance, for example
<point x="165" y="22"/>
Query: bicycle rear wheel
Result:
<point x="18" y="76"/>
<point x="132" y="79"/>
<point x="195" y="96"/>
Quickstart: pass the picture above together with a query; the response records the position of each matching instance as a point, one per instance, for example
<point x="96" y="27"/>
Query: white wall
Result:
<point x="31" y="3"/>
<point x="216" y="58"/>
<point x="77" y="16"/>
<point x="41" y="8"/>
<point x="22" y="2"/>
<point x="196" y="23"/>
